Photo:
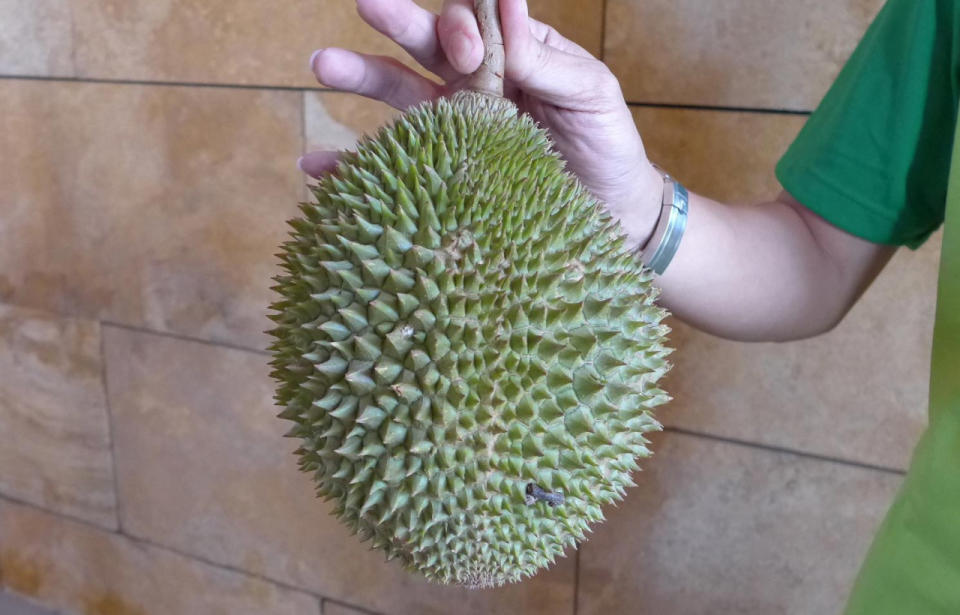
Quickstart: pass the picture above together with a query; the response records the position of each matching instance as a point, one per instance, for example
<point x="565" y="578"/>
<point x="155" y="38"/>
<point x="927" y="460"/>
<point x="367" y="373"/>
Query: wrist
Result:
<point x="639" y="210"/>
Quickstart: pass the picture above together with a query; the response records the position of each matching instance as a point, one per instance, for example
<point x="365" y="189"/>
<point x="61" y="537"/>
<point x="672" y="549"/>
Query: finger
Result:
<point x="460" y="36"/>
<point x="411" y="27"/>
<point x="376" y="77"/>
<point x="548" y="35"/>
<point x="557" y="77"/>
<point x="318" y="164"/>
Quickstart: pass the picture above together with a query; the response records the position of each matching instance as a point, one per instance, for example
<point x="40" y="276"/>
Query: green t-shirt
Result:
<point x="875" y="160"/>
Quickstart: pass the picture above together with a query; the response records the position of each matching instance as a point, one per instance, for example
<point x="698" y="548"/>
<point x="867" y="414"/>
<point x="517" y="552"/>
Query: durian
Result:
<point x="467" y="348"/>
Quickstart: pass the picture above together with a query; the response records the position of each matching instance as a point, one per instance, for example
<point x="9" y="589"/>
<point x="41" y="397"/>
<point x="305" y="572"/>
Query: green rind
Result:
<point x="459" y="318"/>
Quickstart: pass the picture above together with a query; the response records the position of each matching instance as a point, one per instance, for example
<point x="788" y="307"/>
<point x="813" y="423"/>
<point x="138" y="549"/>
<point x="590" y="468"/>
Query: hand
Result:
<point x="568" y="91"/>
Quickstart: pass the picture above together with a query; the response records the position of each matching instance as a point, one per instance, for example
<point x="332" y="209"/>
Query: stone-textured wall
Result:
<point x="147" y="154"/>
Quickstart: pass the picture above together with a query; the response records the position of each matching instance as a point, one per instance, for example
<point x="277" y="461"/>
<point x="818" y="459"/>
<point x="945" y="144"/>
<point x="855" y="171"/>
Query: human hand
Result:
<point x="568" y="91"/>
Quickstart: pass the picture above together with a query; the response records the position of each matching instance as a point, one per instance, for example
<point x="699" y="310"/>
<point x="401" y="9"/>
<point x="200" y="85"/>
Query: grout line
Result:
<point x="289" y="88"/>
<point x="180" y="84"/>
<point x="351" y="606"/>
<point x="190" y="556"/>
<point x="787" y="451"/>
<point x="113" y="441"/>
<point x="184" y="338"/>
<point x="5" y="497"/>
<point x="729" y="109"/>
<point x="236" y="569"/>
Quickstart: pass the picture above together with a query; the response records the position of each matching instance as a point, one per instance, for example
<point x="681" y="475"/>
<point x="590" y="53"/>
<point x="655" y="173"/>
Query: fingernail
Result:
<point x="313" y="59"/>
<point x="300" y="164"/>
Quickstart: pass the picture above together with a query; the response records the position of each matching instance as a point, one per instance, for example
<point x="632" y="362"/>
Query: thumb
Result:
<point x="554" y="76"/>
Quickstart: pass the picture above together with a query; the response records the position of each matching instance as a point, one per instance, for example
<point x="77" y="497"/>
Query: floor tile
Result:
<point x="157" y="207"/>
<point x="335" y="120"/>
<point x="11" y="604"/>
<point x="332" y="608"/>
<point x="578" y="20"/>
<point x="741" y="53"/>
<point x="720" y="528"/>
<point x="54" y="430"/>
<point x="203" y="469"/>
<point x="859" y="392"/>
<point x="250" y="42"/>
<point x="36" y="38"/>
<point x="723" y="155"/>
<point x="70" y="566"/>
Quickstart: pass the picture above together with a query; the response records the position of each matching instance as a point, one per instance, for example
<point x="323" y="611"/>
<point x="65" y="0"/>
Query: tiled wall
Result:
<point x="148" y="152"/>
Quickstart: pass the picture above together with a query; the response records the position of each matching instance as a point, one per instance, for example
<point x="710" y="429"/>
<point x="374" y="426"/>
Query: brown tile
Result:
<point x="151" y="206"/>
<point x="579" y="20"/>
<point x="748" y="53"/>
<point x="54" y="430"/>
<point x="217" y="41"/>
<point x="722" y="528"/>
<point x="70" y="566"/>
<point x="36" y="38"/>
<point x="332" y="608"/>
<point x="203" y="469"/>
<point x="859" y="392"/>
<point x="833" y="395"/>
<point x="724" y="155"/>
<point x="251" y="42"/>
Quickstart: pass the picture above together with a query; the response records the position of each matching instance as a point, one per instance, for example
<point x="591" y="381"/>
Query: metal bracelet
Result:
<point x="665" y="242"/>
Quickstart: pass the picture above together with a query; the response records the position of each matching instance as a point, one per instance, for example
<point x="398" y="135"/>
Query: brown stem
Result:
<point x="489" y="77"/>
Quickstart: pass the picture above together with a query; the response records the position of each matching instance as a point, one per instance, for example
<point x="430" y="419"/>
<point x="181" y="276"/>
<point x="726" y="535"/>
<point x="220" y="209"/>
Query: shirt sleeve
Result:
<point x="874" y="158"/>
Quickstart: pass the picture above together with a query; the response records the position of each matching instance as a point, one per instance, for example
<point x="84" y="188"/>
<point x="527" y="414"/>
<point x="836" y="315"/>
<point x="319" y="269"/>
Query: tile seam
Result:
<point x="139" y="540"/>
<point x="162" y="83"/>
<point x="852" y="463"/>
<point x="304" y="89"/>
<point x="110" y="431"/>
<point x="184" y="338"/>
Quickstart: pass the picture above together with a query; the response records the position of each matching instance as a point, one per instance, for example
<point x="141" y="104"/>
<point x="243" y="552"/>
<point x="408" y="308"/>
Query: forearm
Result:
<point x="766" y="272"/>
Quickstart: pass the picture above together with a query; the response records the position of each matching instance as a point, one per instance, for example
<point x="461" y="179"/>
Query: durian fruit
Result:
<point x="466" y="347"/>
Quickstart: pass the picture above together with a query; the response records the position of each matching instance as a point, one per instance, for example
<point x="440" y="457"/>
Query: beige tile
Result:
<point x="36" y="38"/>
<point x="751" y="53"/>
<point x="73" y="567"/>
<point x="151" y="206"/>
<point x="723" y="155"/>
<point x="859" y="392"/>
<point x="334" y="120"/>
<point x="54" y="430"/>
<point x="203" y="469"/>
<point x="332" y="608"/>
<point x="217" y="41"/>
<point x="721" y="528"/>
<point x="251" y="42"/>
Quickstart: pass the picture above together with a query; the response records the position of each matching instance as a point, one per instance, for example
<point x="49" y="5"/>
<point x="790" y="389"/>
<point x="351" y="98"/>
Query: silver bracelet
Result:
<point x="665" y="242"/>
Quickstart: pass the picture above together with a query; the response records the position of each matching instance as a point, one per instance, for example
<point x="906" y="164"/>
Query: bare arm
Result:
<point x="768" y="272"/>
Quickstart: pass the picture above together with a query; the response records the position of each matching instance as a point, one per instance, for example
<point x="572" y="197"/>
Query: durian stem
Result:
<point x="489" y="77"/>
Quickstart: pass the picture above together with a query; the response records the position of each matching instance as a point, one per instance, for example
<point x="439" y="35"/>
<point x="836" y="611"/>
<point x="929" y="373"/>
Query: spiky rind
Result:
<point x="459" y="318"/>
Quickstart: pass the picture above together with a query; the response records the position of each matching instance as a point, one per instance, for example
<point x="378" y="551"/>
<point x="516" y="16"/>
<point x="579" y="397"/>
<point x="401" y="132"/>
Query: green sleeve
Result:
<point x="874" y="158"/>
